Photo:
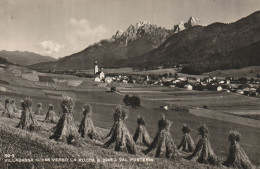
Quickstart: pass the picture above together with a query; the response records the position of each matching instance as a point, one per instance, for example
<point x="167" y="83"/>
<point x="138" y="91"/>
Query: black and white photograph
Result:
<point x="130" y="84"/>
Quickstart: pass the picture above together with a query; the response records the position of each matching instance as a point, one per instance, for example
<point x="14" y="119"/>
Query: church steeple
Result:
<point x="95" y="67"/>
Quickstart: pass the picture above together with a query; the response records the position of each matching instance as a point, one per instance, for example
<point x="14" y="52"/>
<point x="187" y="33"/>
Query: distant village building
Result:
<point x="108" y="80"/>
<point x="227" y="81"/>
<point x="188" y="87"/>
<point x="219" y="88"/>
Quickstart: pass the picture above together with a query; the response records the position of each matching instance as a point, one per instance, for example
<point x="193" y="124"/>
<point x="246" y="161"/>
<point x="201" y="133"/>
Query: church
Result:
<point x="99" y="75"/>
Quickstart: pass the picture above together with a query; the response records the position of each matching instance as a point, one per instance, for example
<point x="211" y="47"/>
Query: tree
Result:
<point x="258" y="75"/>
<point x="134" y="101"/>
<point x="126" y="100"/>
<point x="242" y="80"/>
<point x="170" y="75"/>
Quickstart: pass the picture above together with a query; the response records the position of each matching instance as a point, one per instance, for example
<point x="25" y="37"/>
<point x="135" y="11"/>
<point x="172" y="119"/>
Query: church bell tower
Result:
<point x="95" y="67"/>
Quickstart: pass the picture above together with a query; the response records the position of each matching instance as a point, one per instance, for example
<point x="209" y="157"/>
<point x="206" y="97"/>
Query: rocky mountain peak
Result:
<point x="118" y="34"/>
<point x="189" y="24"/>
<point x="192" y="22"/>
<point x="133" y="31"/>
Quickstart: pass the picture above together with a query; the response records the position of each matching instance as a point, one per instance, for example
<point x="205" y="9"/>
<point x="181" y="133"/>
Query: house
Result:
<point x="219" y="88"/>
<point x="188" y="87"/>
<point x="240" y="91"/>
<point x="182" y="79"/>
<point x="108" y="80"/>
<point x="227" y="81"/>
<point x="97" y="79"/>
<point x="100" y="75"/>
<point x="221" y="82"/>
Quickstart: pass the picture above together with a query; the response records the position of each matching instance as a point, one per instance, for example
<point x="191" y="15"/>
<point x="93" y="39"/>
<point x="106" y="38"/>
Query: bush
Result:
<point x="126" y="100"/>
<point x="242" y="80"/>
<point x="205" y="106"/>
<point x="112" y="89"/>
<point x="134" y="101"/>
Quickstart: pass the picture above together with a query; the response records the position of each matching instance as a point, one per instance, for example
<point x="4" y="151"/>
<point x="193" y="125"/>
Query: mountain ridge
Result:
<point x="24" y="58"/>
<point x="212" y="47"/>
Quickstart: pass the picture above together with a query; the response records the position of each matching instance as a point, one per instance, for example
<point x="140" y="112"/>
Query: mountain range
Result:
<point x="136" y="40"/>
<point x="213" y="47"/>
<point x="198" y="48"/>
<point x="24" y="58"/>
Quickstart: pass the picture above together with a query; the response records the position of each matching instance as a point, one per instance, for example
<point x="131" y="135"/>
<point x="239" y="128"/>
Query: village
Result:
<point x="241" y="85"/>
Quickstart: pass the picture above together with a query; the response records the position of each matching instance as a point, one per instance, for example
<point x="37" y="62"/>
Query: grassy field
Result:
<point x="152" y="97"/>
<point x="251" y="71"/>
<point x="136" y="72"/>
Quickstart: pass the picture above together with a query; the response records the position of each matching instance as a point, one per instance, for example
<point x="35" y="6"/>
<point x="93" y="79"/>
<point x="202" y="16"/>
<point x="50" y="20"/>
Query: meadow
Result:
<point x="152" y="98"/>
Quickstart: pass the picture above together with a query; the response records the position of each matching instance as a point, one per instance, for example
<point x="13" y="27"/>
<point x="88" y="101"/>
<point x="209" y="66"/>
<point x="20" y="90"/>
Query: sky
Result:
<point x="59" y="28"/>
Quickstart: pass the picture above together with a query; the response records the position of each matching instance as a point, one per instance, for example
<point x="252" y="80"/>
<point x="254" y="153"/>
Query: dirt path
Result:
<point x="225" y="117"/>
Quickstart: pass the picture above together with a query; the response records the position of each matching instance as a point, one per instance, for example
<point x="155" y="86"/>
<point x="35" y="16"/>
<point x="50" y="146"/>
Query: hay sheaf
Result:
<point x="141" y="136"/>
<point x="8" y="110"/>
<point x="203" y="152"/>
<point x="86" y="128"/>
<point x="51" y="115"/>
<point x="39" y="109"/>
<point x="121" y="138"/>
<point x="65" y="129"/>
<point x="67" y="104"/>
<point x="13" y="105"/>
<point x="187" y="143"/>
<point x="163" y="144"/>
<point x="28" y="120"/>
<point x="237" y="158"/>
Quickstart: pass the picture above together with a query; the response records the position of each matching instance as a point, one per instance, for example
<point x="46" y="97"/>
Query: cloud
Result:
<point x="83" y="34"/>
<point x="50" y="47"/>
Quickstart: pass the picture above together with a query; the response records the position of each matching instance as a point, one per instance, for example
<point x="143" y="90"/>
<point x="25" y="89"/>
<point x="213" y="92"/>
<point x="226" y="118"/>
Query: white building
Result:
<point x="188" y="87"/>
<point x="219" y="88"/>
